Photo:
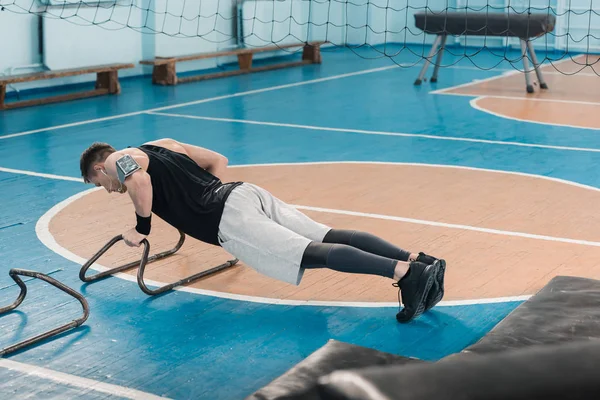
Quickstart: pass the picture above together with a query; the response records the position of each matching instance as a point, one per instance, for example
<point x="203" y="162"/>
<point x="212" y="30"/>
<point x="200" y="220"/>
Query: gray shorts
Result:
<point x="267" y="234"/>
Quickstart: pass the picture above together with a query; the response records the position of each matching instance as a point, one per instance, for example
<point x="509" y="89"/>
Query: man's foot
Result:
<point x="435" y="296"/>
<point x="414" y="288"/>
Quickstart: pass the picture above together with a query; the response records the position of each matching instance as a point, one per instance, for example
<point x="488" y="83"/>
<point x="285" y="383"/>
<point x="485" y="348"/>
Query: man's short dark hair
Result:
<point x="97" y="152"/>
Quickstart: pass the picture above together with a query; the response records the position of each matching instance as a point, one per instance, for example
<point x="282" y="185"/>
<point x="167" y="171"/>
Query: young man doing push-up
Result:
<point x="181" y="184"/>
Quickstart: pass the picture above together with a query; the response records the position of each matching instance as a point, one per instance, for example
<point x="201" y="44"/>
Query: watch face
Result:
<point x="127" y="164"/>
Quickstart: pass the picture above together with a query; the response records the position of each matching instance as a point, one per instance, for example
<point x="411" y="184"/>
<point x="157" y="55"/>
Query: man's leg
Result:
<point x="369" y="243"/>
<point x="415" y="279"/>
<point x="288" y="216"/>
<point x="376" y="245"/>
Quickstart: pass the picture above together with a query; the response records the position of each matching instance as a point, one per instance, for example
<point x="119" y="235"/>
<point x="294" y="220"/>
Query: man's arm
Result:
<point x="139" y="187"/>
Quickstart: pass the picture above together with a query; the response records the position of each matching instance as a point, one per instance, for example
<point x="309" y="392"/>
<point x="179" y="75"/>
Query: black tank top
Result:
<point x="185" y="195"/>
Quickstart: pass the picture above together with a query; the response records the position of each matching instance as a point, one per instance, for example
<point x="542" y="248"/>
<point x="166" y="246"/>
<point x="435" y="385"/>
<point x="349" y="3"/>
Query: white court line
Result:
<point x="476" y="106"/>
<point x="406" y="65"/>
<point x="511" y="70"/>
<point x="43" y="233"/>
<point x="383" y="133"/>
<point x="42" y="230"/>
<point x="577" y="73"/>
<point x="592" y="103"/>
<point x="228" y="96"/>
<point x="474" y="82"/>
<point x="76" y="381"/>
<point x="495" y="171"/>
<point x="477" y="81"/>
<point x="451" y="226"/>
<point x="90" y="121"/>
<point x="41" y="175"/>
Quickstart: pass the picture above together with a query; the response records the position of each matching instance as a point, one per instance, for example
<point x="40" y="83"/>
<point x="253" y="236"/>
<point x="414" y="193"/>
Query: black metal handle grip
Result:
<point x="189" y="279"/>
<point x="14" y="274"/>
<point x="145" y="260"/>
<point x="112" y="242"/>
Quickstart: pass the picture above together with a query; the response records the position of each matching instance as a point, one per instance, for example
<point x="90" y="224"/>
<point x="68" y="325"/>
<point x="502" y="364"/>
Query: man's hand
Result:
<point x="133" y="238"/>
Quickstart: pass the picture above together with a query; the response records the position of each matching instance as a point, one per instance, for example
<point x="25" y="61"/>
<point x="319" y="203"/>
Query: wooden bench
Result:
<point x="164" y="72"/>
<point x="107" y="82"/>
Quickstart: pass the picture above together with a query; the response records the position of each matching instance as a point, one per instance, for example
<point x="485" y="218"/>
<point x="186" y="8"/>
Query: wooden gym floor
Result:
<point x="502" y="184"/>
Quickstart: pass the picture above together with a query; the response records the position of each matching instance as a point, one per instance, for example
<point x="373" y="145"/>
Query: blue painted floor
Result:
<point x="13" y="382"/>
<point x="184" y="345"/>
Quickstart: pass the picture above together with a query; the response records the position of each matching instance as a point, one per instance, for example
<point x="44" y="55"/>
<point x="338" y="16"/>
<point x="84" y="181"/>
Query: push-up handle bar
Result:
<point x="14" y="274"/>
<point x="145" y="260"/>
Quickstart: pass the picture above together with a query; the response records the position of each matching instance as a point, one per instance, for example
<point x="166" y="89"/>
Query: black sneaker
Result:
<point x="435" y="296"/>
<point x="414" y="288"/>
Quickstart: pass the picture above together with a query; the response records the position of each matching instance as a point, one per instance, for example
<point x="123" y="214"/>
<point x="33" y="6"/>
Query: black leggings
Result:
<point x="354" y="252"/>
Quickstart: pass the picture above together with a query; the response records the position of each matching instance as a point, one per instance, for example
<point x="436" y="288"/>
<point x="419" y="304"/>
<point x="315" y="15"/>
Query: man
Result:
<point x="181" y="184"/>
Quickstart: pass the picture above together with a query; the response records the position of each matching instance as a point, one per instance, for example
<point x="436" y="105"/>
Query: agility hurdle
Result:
<point x="145" y="260"/>
<point x="14" y="274"/>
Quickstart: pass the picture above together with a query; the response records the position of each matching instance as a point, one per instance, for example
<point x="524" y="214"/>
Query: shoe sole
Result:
<point x="440" y="282"/>
<point x="424" y="288"/>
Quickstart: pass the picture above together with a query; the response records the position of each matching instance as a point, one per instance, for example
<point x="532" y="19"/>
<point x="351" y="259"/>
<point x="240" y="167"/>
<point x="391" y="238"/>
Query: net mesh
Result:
<point x="370" y="28"/>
